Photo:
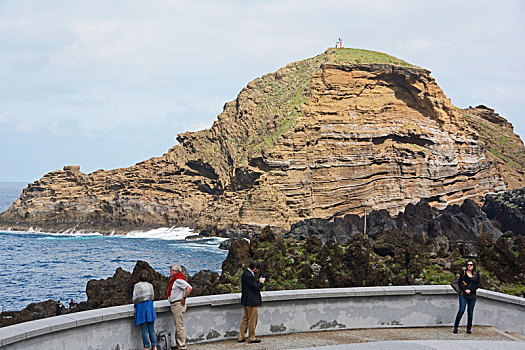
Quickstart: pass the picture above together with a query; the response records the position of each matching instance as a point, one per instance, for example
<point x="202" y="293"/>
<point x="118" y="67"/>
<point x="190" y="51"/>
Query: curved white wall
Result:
<point x="217" y="317"/>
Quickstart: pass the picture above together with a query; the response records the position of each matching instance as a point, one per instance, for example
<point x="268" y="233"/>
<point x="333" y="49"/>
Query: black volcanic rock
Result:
<point x="462" y="225"/>
<point x="238" y="256"/>
<point x="205" y="282"/>
<point x="416" y="218"/>
<point x="158" y="280"/>
<point x="454" y="226"/>
<point x="507" y="210"/>
<point x="118" y="290"/>
<point x="227" y="244"/>
<point x="378" y="222"/>
<point x="505" y="257"/>
<point x="33" y="311"/>
<point x="266" y="249"/>
<point x="358" y="260"/>
<point x="313" y="245"/>
<point x="322" y="229"/>
<point x="408" y="250"/>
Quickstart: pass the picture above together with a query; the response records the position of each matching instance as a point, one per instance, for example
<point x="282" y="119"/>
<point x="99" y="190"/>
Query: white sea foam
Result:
<point x="71" y="232"/>
<point x="166" y="233"/>
<point x="163" y="233"/>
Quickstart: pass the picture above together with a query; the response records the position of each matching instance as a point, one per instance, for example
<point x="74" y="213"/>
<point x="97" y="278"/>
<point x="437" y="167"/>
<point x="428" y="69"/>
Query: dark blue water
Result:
<point x="39" y="266"/>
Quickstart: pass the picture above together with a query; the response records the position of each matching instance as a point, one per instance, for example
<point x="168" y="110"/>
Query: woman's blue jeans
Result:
<point x="469" y="303"/>
<point x="148" y="332"/>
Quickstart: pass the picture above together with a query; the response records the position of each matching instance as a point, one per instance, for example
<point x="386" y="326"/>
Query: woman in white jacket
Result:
<point x="145" y="315"/>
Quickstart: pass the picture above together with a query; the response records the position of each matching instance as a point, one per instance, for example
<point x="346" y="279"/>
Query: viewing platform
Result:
<point x="399" y="317"/>
<point x="426" y="338"/>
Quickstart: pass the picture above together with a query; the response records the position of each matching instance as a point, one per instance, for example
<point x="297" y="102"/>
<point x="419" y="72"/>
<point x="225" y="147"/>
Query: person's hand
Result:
<point x="262" y="279"/>
<point x="183" y="301"/>
<point x="467" y="291"/>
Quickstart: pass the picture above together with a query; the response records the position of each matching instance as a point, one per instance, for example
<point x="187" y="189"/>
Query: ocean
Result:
<point x="37" y="266"/>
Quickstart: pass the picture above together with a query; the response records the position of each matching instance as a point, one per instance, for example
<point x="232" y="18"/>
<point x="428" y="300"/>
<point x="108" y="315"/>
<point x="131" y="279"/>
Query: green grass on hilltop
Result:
<point x="283" y="93"/>
<point x="359" y="56"/>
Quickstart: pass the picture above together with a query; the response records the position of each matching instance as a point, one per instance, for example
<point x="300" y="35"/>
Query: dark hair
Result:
<point x="255" y="265"/>
<point x="473" y="264"/>
<point x="143" y="276"/>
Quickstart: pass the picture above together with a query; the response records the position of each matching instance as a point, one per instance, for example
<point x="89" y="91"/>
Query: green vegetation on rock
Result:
<point x="436" y="274"/>
<point x="361" y="56"/>
<point x="284" y="92"/>
<point x="394" y="258"/>
<point x="515" y="289"/>
<point x="503" y="146"/>
<point x="497" y="153"/>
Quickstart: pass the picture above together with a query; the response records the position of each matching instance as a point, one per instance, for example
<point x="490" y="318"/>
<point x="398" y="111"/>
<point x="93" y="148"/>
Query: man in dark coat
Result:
<point x="250" y="300"/>
<point x="59" y="307"/>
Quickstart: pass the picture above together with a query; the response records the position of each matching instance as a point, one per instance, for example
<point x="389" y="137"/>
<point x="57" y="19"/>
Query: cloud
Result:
<point x="92" y="97"/>
<point x="25" y="127"/>
<point x="89" y="68"/>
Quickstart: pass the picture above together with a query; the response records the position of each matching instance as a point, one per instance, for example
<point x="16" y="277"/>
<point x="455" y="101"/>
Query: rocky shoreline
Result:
<point x="422" y="245"/>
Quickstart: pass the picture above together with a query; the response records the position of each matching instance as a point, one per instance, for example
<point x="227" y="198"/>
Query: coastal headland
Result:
<point x="344" y="132"/>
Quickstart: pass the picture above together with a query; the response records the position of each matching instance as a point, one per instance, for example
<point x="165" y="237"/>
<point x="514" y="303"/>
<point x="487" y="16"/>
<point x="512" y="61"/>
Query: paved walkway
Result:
<point x="429" y="338"/>
<point x="428" y="345"/>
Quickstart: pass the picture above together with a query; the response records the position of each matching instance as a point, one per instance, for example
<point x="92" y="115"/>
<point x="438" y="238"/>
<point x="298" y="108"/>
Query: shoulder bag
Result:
<point x="455" y="282"/>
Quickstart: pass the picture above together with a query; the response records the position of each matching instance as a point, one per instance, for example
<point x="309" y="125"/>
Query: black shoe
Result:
<point x="241" y="341"/>
<point x="468" y="331"/>
<point x="455" y="330"/>
<point x="255" y="341"/>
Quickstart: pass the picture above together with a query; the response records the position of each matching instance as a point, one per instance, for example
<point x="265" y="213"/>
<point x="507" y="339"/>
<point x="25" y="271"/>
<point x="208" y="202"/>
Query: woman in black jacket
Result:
<point x="468" y="283"/>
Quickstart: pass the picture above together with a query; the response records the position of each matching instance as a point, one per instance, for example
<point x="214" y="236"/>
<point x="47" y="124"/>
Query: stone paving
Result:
<point x="428" y="345"/>
<point x="388" y="338"/>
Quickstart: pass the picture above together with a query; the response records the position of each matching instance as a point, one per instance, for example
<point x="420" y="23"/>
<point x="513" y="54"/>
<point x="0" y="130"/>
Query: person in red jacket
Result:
<point x="250" y="300"/>
<point x="178" y="291"/>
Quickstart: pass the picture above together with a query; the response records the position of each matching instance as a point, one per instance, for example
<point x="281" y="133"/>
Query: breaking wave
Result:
<point x="172" y="233"/>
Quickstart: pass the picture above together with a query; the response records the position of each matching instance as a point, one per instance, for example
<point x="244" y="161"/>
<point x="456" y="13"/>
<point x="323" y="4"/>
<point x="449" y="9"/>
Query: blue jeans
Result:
<point x="148" y="332"/>
<point x="469" y="303"/>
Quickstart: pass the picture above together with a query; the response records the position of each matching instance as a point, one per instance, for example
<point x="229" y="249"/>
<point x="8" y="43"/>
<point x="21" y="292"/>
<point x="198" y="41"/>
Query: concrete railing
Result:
<point x="217" y="317"/>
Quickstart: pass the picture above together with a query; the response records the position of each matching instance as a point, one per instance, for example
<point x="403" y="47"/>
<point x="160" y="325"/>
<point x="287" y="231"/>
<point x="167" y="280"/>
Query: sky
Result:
<point x="107" y="84"/>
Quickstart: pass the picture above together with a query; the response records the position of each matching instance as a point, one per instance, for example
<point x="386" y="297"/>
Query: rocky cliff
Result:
<point x="335" y="134"/>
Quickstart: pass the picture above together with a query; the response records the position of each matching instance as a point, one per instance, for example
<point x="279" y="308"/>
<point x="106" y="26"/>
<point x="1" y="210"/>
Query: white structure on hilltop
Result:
<point x="339" y="44"/>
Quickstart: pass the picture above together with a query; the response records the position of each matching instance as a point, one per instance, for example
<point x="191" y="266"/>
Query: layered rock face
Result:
<point x="336" y="134"/>
<point x="502" y="146"/>
<point x="377" y="137"/>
